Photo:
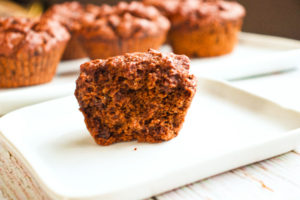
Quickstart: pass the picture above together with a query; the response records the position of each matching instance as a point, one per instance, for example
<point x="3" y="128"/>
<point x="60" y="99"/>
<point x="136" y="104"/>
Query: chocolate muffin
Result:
<point x="205" y="28"/>
<point x="166" y="7"/>
<point x="138" y="96"/>
<point x="126" y="27"/>
<point x="69" y="14"/>
<point x="29" y="51"/>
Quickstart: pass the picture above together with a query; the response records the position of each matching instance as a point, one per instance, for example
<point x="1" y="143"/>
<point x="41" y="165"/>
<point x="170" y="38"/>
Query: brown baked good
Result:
<point x="126" y="27"/>
<point x="29" y="50"/>
<point x="205" y="28"/>
<point x="138" y="96"/>
<point x="166" y="7"/>
<point x="69" y="14"/>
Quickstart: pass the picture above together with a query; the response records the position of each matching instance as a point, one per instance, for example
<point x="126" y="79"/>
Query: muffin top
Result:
<point x="166" y="7"/>
<point x="32" y="37"/>
<point x="69" y="14"/>
<point x="138" y="69"/>
<point x="202" y="12"/>
<point x="125" y="20"/>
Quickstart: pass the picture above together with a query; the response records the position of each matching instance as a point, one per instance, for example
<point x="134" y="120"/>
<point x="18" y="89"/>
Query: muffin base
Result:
<point x="74" y="50"/>
<point x="99" y="48"/>
<point x="205" y="41"/>
<point x="27" y="69"/>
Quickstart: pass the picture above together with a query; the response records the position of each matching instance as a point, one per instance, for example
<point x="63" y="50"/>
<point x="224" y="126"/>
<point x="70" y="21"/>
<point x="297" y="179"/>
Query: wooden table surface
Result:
<point x="276" y="178"/>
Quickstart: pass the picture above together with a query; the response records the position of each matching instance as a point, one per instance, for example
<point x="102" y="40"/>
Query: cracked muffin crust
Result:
<point x="29" y="50"/>
<point x="166" y="7"/>
<point x="69" y="14"/>
<point x="138" y="96"/>
<point x="126" y="27"/>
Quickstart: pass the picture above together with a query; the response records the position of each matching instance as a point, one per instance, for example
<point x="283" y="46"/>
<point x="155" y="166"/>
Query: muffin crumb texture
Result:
<point x="138" y="96"/>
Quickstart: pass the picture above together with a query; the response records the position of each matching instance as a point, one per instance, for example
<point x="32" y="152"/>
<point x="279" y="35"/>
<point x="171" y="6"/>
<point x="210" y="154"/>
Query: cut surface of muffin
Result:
<point x="138" y="96"/>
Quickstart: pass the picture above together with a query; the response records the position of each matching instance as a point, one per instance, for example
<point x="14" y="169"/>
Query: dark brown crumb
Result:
<point x="138" y="96"/>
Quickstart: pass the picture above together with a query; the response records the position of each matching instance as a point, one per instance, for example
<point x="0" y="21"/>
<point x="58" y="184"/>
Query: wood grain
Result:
<point x="276" y="178"/>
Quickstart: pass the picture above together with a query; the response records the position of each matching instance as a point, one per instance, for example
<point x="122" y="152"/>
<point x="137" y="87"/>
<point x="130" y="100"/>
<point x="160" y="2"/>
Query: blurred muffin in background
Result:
<point x="206" y="28"/>
<point x="124" y="28"/>
<point x="30" y="50"/>
<point x="69" y="14"/>
<point x="166" y="7"/>
<point x="202" y="28"/>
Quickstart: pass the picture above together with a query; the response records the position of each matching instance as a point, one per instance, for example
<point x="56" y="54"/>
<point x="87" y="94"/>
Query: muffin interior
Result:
<point x="139" y="96"/>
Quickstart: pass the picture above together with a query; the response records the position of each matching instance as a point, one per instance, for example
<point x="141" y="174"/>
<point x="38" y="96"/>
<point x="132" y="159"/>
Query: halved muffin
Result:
<point x="138" y="96"/>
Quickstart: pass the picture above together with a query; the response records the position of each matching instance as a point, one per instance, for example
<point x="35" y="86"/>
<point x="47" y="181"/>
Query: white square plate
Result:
<point x="225" y="128"/>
